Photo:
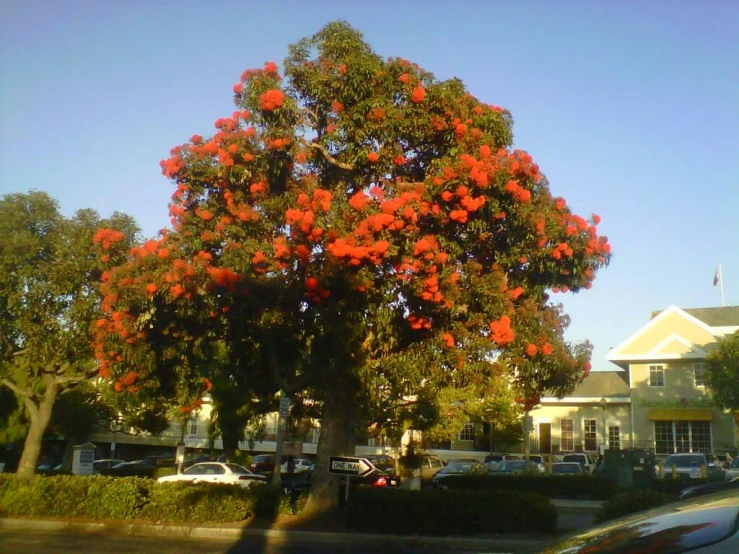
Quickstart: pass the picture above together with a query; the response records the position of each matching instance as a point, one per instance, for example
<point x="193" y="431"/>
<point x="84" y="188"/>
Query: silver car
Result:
<point x="733" y="470"/>
<point x="703" y="525"/>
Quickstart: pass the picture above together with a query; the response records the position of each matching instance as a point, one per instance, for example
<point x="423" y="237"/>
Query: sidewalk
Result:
<point x="572" y="504"/>
<point x="483" y="544"/>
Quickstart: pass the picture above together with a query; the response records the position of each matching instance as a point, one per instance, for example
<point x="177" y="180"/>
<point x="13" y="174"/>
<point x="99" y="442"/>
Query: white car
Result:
<point x="215" y="472"/>
<point x="301" y="464"/>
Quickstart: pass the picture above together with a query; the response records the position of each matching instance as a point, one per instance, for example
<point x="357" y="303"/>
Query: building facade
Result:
<point x="665" y="363"/>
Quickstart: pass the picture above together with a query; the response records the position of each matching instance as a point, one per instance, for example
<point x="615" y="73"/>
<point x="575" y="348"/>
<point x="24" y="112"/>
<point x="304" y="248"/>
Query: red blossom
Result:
<point x="271" y="100"/>
<point x="418" y="94"/>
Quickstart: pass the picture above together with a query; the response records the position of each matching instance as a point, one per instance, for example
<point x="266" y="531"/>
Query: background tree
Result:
<point x="722" y="373"/>
<point x="363" y="226"/>
<point x="48" y="298"/>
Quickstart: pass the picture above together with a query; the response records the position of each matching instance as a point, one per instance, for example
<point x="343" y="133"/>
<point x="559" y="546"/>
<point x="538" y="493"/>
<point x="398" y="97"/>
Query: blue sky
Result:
<point x="631" y="108"/>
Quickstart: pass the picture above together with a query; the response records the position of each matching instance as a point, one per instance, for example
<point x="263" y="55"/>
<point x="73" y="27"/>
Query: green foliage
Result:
<point x="449" y="512"/>
<point x="164" y="471"/>
<point x="722" y="372"/>
<point x="626" y="503"/>
<point x="552" y="486"/>
<point x="199" y="503"/>
<point x="101" y="498"/>
<point x="49" y="277"/>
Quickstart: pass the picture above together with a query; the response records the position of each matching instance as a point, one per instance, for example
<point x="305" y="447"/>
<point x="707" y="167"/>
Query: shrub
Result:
<point x="164" y="471"/>
<point x="464" y="512"/>
<point x="198" y="503"/>
<point x="99" y="497"/>
<point x="626" y="503"/>
<point x="552" y="486"/>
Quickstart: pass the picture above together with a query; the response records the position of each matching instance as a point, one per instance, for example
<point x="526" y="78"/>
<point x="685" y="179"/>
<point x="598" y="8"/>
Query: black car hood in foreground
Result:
<point x="677" y="527"/>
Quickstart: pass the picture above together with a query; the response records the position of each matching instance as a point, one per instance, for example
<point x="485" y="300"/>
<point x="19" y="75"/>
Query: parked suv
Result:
<point x="688" y="465"/>
<point x="430" y="466"/>
<point x="587" y="461"/>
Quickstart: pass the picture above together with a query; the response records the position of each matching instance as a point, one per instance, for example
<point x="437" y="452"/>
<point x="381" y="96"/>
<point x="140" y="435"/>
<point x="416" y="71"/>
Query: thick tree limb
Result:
<point x="12" y="386"/>
<point x="326" y="154"/>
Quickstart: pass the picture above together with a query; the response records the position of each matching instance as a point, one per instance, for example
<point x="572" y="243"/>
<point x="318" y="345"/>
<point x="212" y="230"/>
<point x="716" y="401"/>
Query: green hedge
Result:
<point x="552" y="486"/>
<point x="448" y="512"/>
<point x="97" y="497"/>
<point x="627" y="503"/>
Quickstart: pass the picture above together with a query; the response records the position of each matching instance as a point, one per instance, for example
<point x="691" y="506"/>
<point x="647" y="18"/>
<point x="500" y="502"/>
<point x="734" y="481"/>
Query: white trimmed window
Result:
<point x="590" y="435"/>
<point x="194" y="427"/>
<point x="656" y="376"/>
<point x="614" y="437"/>
<point x="699" y="374"/>
<point x="567" y="435"/>
<point x="682" y="436"/>
<point x="468" y="432"/>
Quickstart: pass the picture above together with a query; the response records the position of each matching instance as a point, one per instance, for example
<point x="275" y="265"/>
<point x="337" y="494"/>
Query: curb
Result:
<point x="277" y="535"/>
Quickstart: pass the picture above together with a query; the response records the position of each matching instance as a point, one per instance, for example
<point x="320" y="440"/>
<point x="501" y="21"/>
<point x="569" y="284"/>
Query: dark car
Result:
<point x="706" y="525"/>
<point x="709" y="488"/>
<point x="138" y="468"/>
<point x="265" y="463"/>
<point x="471" y="467"/>
<point x="382" y="476"/>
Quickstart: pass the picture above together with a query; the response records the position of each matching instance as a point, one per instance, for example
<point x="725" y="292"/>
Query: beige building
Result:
<point x="597" y="412"/>
<point x="665" y="366"/>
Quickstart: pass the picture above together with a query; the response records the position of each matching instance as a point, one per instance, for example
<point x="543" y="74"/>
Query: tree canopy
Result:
<point x="722" y="373"/>
<point x="49" y="275"/>
<point x="357" y="229"/>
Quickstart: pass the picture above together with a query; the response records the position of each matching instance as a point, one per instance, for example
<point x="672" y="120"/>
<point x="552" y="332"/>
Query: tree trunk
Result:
<point x="231" y="435"/>
<point x="39" y="416"/>
<point x="335" y="440"/>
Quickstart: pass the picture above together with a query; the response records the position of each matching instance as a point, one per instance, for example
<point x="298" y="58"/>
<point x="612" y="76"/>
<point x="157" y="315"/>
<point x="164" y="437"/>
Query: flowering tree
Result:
<point x="355" y="225"/>
<point x="48" y="299"/>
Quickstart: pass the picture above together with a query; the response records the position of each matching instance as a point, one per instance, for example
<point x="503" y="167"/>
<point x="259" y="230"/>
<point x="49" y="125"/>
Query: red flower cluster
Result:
<point x="501" y="332"/>
<point x="107" y="237"/>
<point x="271" y="100"/>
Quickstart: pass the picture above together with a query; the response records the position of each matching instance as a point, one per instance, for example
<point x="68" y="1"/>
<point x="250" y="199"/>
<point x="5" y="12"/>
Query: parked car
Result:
<point x="733" y="470"/>
<point x="104" y="463"/>
<point x="499" y="458"/>
<point x="689" y="466"/>
<point x="430" y="466"/>
<point x="295" y="484"/>
<point x="265" y="463"/>
<point x="215" y="472"/>
<point x="299" y="464"/>
<point x="587" y="461"/>
<point x="709" y="488"/>
<point x="515" y="467"/>
<point x="724" y="460"/>
<point x="136" y="468"/>
<point x="706" y="525"/>
<point x="567" y="468"/>
<point x="471" y="467"/>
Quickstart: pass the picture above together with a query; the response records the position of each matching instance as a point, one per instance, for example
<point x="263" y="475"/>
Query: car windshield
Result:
<point x="236" y="468"/>
<point x="685" y="461"/>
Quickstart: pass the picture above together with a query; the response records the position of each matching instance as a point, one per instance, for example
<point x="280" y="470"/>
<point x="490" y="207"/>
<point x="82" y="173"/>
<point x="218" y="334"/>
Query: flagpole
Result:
<point x="721" y="284"/>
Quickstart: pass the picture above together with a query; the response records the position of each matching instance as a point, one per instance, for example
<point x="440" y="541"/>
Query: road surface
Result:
<point x="24" y="542"/>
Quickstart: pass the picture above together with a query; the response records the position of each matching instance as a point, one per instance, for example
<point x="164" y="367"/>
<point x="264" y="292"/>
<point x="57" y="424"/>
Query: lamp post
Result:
<point x="603" y="403"/>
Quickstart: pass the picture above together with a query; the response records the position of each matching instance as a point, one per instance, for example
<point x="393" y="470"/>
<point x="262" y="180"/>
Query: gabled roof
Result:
<point x="611" y="384"/>
<point x="615" y="355"/>
<point x="603" y="383"/>
<point x="726" y="316"/>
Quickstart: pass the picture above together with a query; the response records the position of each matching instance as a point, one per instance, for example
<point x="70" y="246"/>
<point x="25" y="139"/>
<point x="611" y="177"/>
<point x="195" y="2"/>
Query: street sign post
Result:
<point x="351" y="467"/>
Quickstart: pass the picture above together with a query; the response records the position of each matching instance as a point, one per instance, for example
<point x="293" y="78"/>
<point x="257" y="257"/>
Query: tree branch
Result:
<point x="12" y="386"/>
<point x="329" y="158"/>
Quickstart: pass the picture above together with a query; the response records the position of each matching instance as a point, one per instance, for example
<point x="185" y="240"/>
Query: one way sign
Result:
<point x="356" y="467"/>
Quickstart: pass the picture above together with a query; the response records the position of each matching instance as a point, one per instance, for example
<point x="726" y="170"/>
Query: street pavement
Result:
<point x="33" y="542"/>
